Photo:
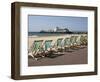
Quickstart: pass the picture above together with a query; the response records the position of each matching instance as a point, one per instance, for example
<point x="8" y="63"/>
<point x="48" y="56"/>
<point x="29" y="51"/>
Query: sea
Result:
<point x="52" y="33"/>
<point x="44" y="34"/>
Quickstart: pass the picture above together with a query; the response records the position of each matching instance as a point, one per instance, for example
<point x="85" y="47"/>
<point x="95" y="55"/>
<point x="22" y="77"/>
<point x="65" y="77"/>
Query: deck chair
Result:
<point x="78" y="41"/>
<point x="60" y="47"/>
<point x="83" y="40"/>
<point x="67" y="44"/>
<point x="73" y="41"/>
<point x="54" y="46"/>
<point x="36" y="50"/>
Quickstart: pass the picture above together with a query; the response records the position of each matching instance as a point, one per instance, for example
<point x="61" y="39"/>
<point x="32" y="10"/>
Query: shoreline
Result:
<point x="54" y="35"/>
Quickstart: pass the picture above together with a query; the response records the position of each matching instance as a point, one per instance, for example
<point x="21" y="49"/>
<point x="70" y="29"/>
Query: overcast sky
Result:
<point x="37" y="23"/>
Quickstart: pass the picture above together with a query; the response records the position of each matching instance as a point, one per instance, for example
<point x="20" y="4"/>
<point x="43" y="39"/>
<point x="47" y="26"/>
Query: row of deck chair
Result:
<point x="41" y="48"/>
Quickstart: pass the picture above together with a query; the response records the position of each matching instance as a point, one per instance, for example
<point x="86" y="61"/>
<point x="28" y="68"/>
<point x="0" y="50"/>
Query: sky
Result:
<point x="37" y="23"/>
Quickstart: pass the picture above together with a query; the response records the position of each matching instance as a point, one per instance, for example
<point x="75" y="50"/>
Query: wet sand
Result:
<point x="78" y="56"/>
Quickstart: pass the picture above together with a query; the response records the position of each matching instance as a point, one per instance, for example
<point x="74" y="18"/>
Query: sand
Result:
<point x="78" y="56"/>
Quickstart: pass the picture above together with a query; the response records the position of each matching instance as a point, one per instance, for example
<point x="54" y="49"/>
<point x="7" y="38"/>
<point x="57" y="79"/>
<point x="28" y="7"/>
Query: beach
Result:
<point x="78" y="56"/>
